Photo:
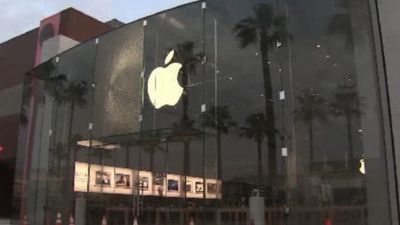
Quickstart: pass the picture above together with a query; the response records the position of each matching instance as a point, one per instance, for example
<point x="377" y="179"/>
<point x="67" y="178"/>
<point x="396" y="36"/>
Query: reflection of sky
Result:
<point x="13" y="19"/>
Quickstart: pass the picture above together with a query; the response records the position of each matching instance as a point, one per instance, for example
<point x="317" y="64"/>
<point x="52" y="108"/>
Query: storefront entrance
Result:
<point x="119" y="216"/>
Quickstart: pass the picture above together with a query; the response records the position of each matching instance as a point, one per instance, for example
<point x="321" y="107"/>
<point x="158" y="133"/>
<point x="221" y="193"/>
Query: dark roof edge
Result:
<point x="19" y="36"/>
<point x="69" y="9"/>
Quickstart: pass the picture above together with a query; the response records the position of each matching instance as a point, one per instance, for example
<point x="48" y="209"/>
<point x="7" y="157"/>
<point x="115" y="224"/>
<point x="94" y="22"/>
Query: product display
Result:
<point x="116" y="180"/>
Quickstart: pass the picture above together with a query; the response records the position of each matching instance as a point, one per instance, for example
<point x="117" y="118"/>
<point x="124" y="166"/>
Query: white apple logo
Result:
<point x="163" y="86"/>
<point x="362" y="166"/>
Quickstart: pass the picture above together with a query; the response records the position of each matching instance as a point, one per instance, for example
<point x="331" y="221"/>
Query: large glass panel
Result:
<point x="246" y="109"/>
<point x="296" y="96"/>
<point x="61" y="116"/>
<point x="69" y="92"/>
<point x="337" y="128"/>
<point x="173" y="98"/>
<point x="114" y="157"/>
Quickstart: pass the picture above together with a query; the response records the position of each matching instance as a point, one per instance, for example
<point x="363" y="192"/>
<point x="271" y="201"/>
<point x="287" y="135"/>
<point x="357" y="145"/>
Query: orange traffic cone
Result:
<point x="58" y="220"/>
<point x="71" y="220"/>
<point x="104" y="220"/>
<point x="25" y="220"/>
<point x="191" y="221"/>
<point x="135" y="221"/>
<point x="327" y="221"/>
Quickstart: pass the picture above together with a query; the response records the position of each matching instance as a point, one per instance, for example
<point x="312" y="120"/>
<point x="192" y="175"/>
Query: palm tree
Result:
<point x="312" y="107"/>
<point x="347" y="104"/>
<point x="218" y="118"/>
<point x="266" y="30"/>
<point x="256" y="128"/>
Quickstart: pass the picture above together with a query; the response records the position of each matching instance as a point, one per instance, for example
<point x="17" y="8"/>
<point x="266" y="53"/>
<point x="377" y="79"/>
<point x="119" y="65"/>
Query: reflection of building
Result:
<point x="256" y="110"/>
<point x="16" y="58"/>
<point x="19" y="55"/>
<point x="235" y="191"/>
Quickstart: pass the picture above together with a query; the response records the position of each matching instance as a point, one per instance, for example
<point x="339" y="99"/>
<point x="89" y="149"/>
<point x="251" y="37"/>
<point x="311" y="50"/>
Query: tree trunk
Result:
<point x="184" y="126"/>
<point x="69" y="135"/>
<point x="151" y="160"/>
<point x="350" y="141"/>
<point x="219" y="155"/>
<point x="59" y="167"/>
<point x="259" y="163"/>
<point x="269" y="107"/>
<point x="70" y="165"/>
<point x="311" y="136"/>
<point x="127" y="157"/>
<point x="51" y="170"/>
<point x="186" y="164"/>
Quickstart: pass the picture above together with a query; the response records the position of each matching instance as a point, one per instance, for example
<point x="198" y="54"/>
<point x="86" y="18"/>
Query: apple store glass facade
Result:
<point x="220" y="112"/>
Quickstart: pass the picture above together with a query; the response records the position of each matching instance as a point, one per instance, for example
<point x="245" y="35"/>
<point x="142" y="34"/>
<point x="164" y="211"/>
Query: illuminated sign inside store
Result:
<point x="362" y="166"/>
<point x="117" y="180"/>
<point x="163" y="86"/>
<point x="81" y="177"/>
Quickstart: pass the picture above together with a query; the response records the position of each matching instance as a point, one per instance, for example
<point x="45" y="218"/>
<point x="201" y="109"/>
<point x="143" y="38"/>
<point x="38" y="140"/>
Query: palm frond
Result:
<point x="311" y="106"/>
<point x="246" y="32"/>
<point x="218" y="118"/>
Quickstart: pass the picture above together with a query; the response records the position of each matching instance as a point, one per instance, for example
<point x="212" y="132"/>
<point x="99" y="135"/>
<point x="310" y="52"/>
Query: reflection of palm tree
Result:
<point x="218" y="118"/>
<point x="189" y="60"/>
<point x="257" y="129"/>
<point x="151" y="148"/>
<point x="74" y="94"/>
<point x="101" y="153"/>
<point x="267" y="30"/>
<point x="59" y="154"/>
<point x="347" y="104"/>
<point x="55" y="86"/>
<point x="57" y="151"/>
<point x="311" y="108"/>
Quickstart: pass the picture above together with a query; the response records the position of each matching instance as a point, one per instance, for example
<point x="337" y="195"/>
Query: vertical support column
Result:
<point x="80" y="209"/>
<point x="218" y="216"/>
<point x="385" y="15"/>
<point x="236" y="217"/>
<point x="157" y="217"/>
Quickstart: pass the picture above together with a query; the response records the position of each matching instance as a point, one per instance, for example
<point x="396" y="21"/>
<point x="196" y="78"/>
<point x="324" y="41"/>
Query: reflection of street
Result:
<point x="343" y="215"/>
